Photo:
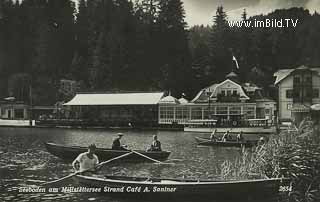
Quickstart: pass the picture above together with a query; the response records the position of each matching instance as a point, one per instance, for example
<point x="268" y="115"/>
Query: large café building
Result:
<point x="227" y="101"/>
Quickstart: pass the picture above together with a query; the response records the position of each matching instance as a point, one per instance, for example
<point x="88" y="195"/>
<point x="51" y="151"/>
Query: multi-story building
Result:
<point x="229" y="104"/>
<point x="298" y="89"/>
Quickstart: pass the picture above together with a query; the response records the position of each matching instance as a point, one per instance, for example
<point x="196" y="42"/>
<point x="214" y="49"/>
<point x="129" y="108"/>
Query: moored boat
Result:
<point x="234" y="143"/>
<point x="250" y="126"/>
<point x="69" y="153"/>
<point x="154" y="187"/>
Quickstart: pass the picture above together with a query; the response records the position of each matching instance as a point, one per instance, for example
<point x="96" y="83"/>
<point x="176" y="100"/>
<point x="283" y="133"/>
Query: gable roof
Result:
<point x="202" y="93"/>
<point x="116" y="99"/>
<point x="169" y="100"/>
<point x="284" y="73"/>
<point x="242" y="93"/>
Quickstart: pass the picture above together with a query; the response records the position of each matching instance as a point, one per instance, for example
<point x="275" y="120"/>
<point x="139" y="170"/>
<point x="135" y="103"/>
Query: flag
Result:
<point x="234" y="59"/>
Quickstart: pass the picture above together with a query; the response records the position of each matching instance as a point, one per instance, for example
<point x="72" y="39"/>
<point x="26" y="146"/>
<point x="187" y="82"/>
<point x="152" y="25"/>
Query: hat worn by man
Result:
<point x="120" y="134"/>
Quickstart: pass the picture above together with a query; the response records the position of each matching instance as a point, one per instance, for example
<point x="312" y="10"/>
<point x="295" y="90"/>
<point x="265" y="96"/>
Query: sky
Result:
<point x="202" y="11"/>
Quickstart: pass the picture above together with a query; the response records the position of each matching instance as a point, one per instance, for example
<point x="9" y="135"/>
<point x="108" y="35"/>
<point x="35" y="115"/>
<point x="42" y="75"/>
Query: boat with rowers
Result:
<point x="69" y="153"/>
<point x="164" y="187"/>
<point x="229" y="143"/>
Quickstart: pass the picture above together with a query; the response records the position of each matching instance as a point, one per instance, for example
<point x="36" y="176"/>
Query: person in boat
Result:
<point x="86" y="161"/>
<point x="116" y="144"/>
<point x="240" y="137"/>
<point x="212" y="136"/>
<point x="156" y="144"/>
<point x="226" y="137"/>
<point x="262" y="141"/>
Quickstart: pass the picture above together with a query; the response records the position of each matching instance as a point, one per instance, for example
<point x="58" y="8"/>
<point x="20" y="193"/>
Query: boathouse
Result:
<point x="228" y="102"/>
<point x="298" y="90"/>
<point x="116" y="109"/>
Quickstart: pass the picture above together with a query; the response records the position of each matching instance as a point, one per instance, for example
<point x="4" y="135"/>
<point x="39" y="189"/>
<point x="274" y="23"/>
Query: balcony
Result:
<point x="228" y="98"/>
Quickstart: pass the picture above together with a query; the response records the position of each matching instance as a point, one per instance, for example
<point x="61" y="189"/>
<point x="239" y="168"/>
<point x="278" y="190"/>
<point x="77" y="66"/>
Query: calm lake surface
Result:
<point x="24" y="160"/>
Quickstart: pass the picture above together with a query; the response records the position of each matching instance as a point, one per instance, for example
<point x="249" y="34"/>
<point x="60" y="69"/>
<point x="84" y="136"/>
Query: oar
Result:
<point x="76" y="173"/>
<point x="147" y="157"/>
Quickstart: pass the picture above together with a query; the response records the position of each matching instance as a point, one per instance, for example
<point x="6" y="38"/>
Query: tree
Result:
<point x="220" y="45"/>
<point x="173" y="43"/>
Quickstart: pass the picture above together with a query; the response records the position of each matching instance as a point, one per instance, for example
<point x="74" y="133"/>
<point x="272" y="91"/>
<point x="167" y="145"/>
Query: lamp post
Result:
<point x="30" y="107"/>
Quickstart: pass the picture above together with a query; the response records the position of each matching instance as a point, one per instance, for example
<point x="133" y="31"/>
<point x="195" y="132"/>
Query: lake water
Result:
<point x="24" y="160"/>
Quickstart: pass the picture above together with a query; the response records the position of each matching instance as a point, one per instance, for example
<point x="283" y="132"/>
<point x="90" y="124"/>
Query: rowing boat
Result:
<point x="234" y="143"/>
<point x="155" y="187"/>
<point x="69" y="153"/>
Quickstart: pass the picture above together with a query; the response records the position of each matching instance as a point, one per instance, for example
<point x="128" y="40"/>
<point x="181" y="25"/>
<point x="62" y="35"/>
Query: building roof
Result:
<point x="283" y="73"/>
<point x="231" y="75"/>
<point x="242" y="93"/>
<point x="169" y="100"/>
<point x="116" y="99"/>
<point x="183" y="100"/>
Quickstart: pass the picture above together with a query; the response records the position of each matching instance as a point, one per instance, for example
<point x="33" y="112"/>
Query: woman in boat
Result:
<point x="86" y="161"/>
<point x="116" y="145"/>
<point x="156" y="144"/>
<point x="212" y="136"/>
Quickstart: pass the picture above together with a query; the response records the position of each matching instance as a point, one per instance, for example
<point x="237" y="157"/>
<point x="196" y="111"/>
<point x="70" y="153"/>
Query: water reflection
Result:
<point x="25" y="162"/>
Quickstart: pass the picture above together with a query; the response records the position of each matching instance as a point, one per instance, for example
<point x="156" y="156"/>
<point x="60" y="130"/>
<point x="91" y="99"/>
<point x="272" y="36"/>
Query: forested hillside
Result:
<point x="143" y="46"/>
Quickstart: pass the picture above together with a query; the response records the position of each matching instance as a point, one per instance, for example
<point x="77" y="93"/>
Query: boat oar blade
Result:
<point x="59" y="180"/>
<point x="76" y="173"/>
<point x="147" y="157"/>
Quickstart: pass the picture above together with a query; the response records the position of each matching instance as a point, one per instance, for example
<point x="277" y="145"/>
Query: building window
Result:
<point x="289" y="93"/>
<point x="235" y="110"/>
<point x="296" y="79"/>
<point x="222" y="110"/>
<point x="315" y="93"/>
<point x="234" y="92"/>
<point x="196" y="113"/>
<point x="267" y="111"/>
<point x="228" y="92"/>
<point x="223" y="93"/>
<point x="249" y="111"/>
<point x="289" y="106"/>
<point x="309" y="93"/>
<point x="308" y="79"/>
<point x="19" y="113"/>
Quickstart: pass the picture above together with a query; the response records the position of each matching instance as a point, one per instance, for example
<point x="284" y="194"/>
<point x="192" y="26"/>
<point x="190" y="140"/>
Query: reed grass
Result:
<point x="295" y="155"/>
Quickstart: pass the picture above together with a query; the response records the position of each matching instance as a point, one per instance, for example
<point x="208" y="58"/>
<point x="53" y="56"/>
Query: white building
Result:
<point x="298" y="89"/>
<point x="228" y="102"/>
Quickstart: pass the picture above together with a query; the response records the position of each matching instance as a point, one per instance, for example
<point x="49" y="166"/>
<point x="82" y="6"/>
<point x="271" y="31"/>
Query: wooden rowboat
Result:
<point x="209" y="142"/>
<point x="155" y="187"/>
<point x="69" y="153"/>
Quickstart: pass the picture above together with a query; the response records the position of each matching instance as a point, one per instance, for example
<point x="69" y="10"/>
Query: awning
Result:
<point x="115" y="99"/>
<point x="315" y="107"/>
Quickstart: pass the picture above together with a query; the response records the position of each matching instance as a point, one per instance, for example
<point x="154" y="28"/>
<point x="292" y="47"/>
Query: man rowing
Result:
<point x="212" y="136"/>
<point x="240" y="137"/>
<point x="226" y="137"/>
<point x="86" y="161"/>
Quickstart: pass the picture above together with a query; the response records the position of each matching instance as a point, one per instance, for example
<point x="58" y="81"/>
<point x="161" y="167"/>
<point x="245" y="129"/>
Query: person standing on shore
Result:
<point x="86" y="161"/>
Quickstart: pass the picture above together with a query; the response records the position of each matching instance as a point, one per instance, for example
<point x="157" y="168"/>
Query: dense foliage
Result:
<point x="291" y="154"/>
<point x="142" y="46"/>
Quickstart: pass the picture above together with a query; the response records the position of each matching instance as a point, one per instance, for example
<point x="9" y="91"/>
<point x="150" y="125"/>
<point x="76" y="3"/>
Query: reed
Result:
<point x="295" y="155"/>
